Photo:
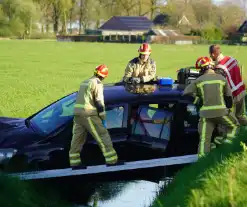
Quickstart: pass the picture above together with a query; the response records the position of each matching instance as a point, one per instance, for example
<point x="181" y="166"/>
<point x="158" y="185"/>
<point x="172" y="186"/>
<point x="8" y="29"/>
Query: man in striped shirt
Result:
<point x="228" y="67"/>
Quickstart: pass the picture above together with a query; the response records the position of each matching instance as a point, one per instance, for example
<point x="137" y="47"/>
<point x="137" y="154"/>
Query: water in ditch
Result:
<point x="137" y="193"/>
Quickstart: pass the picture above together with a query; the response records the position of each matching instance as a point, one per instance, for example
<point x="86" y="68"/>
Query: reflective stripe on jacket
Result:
<point x="90" y="98"/>
<point x="233" y="75"/>
<point x="211" y="89"/>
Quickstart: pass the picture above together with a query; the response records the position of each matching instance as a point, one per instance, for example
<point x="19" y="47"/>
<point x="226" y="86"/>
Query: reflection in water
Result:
<point x="126" y="194"/>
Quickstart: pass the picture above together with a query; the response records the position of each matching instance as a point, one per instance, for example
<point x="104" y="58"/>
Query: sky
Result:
<point x="217" y="1"/>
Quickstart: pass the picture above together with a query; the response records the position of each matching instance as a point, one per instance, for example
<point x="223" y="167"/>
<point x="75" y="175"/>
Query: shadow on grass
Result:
<point x="194" y="176"/>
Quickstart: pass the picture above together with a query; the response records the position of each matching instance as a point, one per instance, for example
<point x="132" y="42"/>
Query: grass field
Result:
<point x="35" y="73"/>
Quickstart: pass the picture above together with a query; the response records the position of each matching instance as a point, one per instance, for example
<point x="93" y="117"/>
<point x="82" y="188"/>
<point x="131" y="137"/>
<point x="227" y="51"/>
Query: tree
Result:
<point x="241" y="3"/>
<point x="84" y="14"/>
<point x="65" y="6"/>
<point x="20" y="15"/>
<point x="28" y="14"/>
<point x="230" y="14"/>
<point x="60" y="13"/>
<point x="205" y="11"/>
<point x="46" y="14"/>
<point x="161" y="19"/>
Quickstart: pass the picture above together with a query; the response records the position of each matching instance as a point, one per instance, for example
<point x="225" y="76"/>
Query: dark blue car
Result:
<point x="144" y="121"/>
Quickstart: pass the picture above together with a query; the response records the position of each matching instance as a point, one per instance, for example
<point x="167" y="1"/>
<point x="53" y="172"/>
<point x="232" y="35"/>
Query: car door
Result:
<point x="116" y="119"/>
<point x="150" y="124"/>
<point x="184" y="130"/>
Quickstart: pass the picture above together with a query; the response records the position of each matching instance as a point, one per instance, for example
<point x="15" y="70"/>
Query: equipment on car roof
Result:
<point x="164" y="81"/>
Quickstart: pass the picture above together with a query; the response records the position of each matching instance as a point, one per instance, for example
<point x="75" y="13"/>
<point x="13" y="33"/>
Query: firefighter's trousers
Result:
<point x="240" y="112"/>
<point x="92" y="124"/>
<point x="206" y="127"/>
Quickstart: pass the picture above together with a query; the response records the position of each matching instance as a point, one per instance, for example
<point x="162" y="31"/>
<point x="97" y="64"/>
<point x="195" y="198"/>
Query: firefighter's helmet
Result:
<point x="101" y="71"/>
<point x="145" y="49"/>
<point x="204" y="63"/>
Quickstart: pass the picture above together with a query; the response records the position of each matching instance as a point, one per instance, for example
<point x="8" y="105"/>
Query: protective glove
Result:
<point x="135" y="80"/>
<point x="104" y="123"/>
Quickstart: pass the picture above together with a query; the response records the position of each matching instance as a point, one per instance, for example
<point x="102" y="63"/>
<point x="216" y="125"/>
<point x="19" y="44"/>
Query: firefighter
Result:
<point x="215" y="96"/>
<point x="141" y="69"/>
<point x="229" y="68"/>
<point x="90" y="116"/>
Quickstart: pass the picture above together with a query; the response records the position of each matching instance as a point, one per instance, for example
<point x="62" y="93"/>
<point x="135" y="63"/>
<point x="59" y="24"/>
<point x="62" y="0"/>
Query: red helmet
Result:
<point x="101" y="71"/>
<point x="145" y="49"/>
<point x="203" y="62"/>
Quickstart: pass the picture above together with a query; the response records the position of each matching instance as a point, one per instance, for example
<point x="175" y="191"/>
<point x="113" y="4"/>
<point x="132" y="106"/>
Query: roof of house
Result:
<point x="127" y="23"/>
<point x="243" y="27"/>
<point x="184" y="21"/>
<point x="164" y="32"/>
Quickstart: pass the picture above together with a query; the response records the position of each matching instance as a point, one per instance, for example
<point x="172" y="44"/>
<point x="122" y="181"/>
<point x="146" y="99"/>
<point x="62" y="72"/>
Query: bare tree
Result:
<point x="230" y="14"/>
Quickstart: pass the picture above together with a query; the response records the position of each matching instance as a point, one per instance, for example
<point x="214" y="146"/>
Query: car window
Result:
<point x="152" y="122"/>
<point x="191" y="118"/>
<point x="114" y="117"/>
<point x="61" y="112"/>
<point x="56" y="115"/>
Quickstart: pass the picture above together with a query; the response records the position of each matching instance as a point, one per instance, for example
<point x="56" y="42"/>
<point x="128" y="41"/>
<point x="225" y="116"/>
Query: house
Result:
<point x="240" y="36"/>
<point x="184" y="21"/>
<point x="169" y="36"/>
<point x="243" y="28"/>
<point x="163" y="32"/>
<point x="126" y="25"/>
<point x="242" y="31"/>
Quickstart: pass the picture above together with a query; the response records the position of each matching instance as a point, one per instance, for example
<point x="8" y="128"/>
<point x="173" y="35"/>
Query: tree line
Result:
<point x="20" y="17"/>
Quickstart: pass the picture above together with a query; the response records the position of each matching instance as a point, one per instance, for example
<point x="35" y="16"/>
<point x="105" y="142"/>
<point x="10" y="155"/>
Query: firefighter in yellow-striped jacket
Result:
<point x="216" y="100"/>
<point x="90" y="116"/>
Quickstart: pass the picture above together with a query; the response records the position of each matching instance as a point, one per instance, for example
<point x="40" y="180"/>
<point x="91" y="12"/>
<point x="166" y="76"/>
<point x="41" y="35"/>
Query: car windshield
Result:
<point x="61" y="112"/>
<point x="55" y="115"/>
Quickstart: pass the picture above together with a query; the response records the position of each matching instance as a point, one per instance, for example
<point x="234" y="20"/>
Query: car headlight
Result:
<point x="7" y="154"/>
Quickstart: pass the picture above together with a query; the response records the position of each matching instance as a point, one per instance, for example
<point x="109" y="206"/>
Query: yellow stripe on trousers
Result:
<point x="203" y="136"/>
<point x="234" y="127"/>
<point x="96" y="135"/>
<point x="102" y="146"/>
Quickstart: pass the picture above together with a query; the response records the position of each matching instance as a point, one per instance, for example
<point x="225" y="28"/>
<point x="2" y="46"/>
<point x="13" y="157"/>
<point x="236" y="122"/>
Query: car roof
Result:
<point x="130" y="93"/>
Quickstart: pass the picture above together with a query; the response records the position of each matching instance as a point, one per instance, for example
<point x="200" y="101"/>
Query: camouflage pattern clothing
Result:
<point x="216" y="97"/>
<point x="89" y="112"/>
<point x="137" y="68"/>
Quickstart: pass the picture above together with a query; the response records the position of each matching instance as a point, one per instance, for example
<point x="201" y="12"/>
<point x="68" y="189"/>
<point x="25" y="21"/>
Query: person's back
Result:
<point x="215" y="97"/>
<point x="86" y="102"/>
<point x="211" y="87"/>
<point x="228" y="67"/>
<point x="90" y="117"/>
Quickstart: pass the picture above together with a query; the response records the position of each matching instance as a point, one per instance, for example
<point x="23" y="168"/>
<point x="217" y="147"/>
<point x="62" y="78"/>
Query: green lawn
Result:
<point x="218" y="180"/>
<point x="35" y="73"/>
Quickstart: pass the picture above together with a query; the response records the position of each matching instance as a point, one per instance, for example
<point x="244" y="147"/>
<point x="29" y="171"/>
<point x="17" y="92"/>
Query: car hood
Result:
<point x="7" y="122"/>
<point x="14" y="132"/>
